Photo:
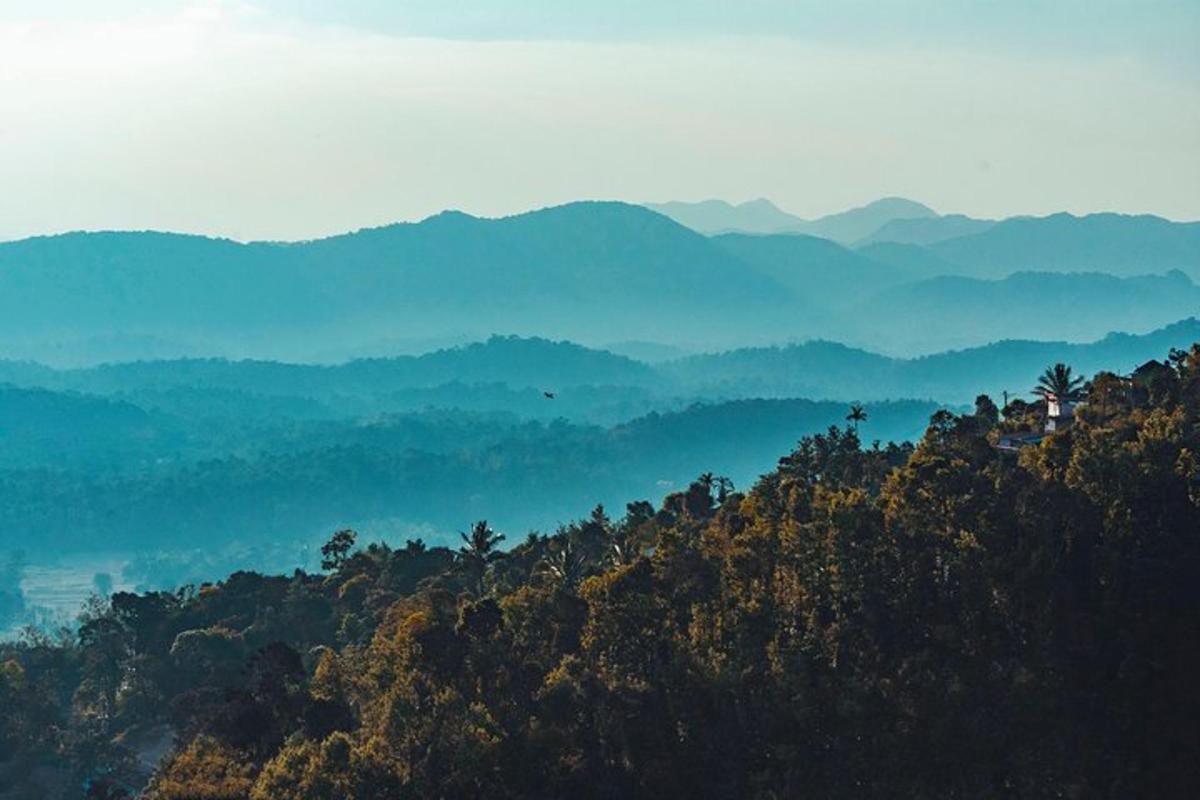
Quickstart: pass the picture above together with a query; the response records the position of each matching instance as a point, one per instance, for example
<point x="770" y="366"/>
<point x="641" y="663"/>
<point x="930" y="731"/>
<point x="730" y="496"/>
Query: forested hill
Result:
<point x="830" y="370"/>
<point x="510" y="373"/>
<point x="517" y="362"/>
<point x="948" y="620"/>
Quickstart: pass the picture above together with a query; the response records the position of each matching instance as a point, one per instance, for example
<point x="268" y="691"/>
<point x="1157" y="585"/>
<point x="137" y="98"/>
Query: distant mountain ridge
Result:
<point x="850" y="226"/>
<point x="926" y="230"/>
<point x="951" y="311"/>
<point x="592" y="273"/>
<point x="718" y="216"/>
<point x="817" y="369"/>
<point x="712" y="217"/>
<point x="1120" y="244"/>
<point x="518" y="362"/>
<point x="597" y="271"/>
<point x="812" y="266"/>
<point x="174" y="477"/>
<point x="828" y="370"/>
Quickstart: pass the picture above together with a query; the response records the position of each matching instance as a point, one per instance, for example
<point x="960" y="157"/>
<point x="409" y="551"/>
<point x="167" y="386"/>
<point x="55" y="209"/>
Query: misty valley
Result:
<point x="130" y="462"/>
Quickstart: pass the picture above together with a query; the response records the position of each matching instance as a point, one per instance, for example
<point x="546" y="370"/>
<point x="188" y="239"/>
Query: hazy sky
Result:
<point x="294" y="118"/>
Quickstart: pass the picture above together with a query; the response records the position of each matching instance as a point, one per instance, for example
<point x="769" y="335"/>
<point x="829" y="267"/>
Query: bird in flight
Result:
<point x="548" y="395"/>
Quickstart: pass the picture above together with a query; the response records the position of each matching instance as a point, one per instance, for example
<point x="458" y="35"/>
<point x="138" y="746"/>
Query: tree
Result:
<point x="205" y="769"/>
<point x="857" y="414"/>
<point x="986" y="410"/>
<point x="562" y="565"/>
<point x="1058" y="382"/>
<point x="479" y="552"/>
<point x="1108" y="392"/>
<point x="335" y="552"/>
<point x="627" y="539"/>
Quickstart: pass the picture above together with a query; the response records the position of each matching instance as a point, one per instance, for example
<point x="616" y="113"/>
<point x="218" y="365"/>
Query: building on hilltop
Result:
<point x="1012" y="442"/>
<point x="1060" y="413"/>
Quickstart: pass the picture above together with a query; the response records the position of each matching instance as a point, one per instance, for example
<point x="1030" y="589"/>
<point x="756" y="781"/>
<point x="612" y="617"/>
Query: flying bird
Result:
<point x="548" y="395"/>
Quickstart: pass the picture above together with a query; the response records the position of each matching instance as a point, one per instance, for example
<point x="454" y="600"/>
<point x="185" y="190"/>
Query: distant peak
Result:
<point x="759" y="215"/>
<point x="449" y="215"/>
<point x="756" y="204"/>
<point x="901" y="205"/>
<point x="591" y="208"/>
<point x="709" y="203"/>
<point x="760" y="203"/>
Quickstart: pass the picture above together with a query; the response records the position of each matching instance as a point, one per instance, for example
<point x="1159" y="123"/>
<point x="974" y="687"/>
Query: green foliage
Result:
<point x="1058" y="381"/>
<point x="334" y="552"/>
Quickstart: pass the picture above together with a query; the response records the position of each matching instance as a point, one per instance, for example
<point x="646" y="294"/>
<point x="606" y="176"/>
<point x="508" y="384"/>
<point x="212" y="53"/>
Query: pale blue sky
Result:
<point x="295" y="118"/>
<point x="1151" y="27"/>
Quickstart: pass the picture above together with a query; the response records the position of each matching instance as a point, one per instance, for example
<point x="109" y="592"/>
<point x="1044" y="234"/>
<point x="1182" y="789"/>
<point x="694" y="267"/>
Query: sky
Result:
<point x="293" y="119"/>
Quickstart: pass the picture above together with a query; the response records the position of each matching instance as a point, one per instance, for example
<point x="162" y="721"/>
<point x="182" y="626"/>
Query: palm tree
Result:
<point x="561" y="565"/>
<point x="857" y="414"/>
<point x="479" y="552"/>
<point x="622" y="546"/>
<point x="1058" y="382"/>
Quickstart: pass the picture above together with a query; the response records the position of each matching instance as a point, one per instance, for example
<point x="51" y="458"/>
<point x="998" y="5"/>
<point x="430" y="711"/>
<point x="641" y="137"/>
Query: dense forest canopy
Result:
<point x="944" y="620"/>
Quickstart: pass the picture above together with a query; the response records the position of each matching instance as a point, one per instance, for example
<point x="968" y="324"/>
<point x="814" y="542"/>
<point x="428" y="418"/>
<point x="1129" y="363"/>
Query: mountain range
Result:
<point x="250" y="452"/>
<point x="1116" y="243"/>
<point x="719" y="216"/>
<point x="949" y="311"/>
<point x="763" y="216"/>
<point x="828" y="370"/>
<point x="591" y="271"/>
<point x="509" y="374"/>
<point x="926" y="230"/>
<point x="595" y="273"/>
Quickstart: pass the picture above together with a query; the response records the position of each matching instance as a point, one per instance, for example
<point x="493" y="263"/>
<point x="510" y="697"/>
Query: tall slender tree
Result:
<point x="562" y="565"/>
<point x="1057" y="381"/>
<point x="479" y="552"/>
<point x="857" y="414"/>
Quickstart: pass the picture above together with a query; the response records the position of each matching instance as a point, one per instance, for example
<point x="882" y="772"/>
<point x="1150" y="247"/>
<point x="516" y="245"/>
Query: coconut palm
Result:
<point x="1058" y="382"/>
<point x="622" y="546"/>
<point x="479" y="552"/>
<point x="562" y="564"/>
<point x="857" y="414"/>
